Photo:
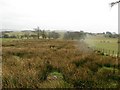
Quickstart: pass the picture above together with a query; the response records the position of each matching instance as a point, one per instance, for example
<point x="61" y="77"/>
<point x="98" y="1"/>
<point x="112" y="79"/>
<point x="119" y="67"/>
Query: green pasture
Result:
<point x="8" y="39"/>
<point x="99" y="42"/>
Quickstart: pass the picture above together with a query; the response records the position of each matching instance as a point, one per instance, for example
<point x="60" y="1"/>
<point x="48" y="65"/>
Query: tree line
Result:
<point x="47" y="34"/>
<point x="44" y="34"/>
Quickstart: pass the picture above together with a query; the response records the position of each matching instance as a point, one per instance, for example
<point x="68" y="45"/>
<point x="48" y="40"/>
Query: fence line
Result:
<point x="106" y="52"/>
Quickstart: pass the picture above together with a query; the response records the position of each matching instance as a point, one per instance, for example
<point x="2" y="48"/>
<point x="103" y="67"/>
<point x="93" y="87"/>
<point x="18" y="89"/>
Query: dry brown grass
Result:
<point x="27" y="63"/>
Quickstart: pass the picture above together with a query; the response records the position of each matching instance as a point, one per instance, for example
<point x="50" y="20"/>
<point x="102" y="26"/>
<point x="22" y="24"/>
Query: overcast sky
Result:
<point x="86" y="15"/>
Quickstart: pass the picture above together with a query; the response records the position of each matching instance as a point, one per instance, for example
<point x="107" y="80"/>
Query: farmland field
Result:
<point x="100" y="42"/>
<point x="56" y="64"/>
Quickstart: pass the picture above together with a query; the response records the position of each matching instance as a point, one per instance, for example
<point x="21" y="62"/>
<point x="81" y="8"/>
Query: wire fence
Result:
<point x="106" y="52"/>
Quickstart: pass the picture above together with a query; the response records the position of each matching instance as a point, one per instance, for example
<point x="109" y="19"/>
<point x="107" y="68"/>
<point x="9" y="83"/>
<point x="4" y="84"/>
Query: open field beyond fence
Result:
<point x="107" y="46"/>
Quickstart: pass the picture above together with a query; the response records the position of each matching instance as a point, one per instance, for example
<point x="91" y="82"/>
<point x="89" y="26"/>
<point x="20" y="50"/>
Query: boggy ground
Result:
<point x="56" y="64"/>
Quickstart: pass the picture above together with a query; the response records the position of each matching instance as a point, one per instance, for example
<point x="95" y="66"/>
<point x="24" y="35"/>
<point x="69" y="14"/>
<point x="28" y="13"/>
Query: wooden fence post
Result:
<point x="109" y="52"/>
<point x="103" y="50"/>
<point x="118" y="54"/>
<point x="113" y="54"/>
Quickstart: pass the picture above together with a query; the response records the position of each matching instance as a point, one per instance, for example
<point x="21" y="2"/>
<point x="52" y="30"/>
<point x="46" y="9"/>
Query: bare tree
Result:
<point x="114" y="3"/>
<point x="43" y="34"/>
<point x="38" y="32"/>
